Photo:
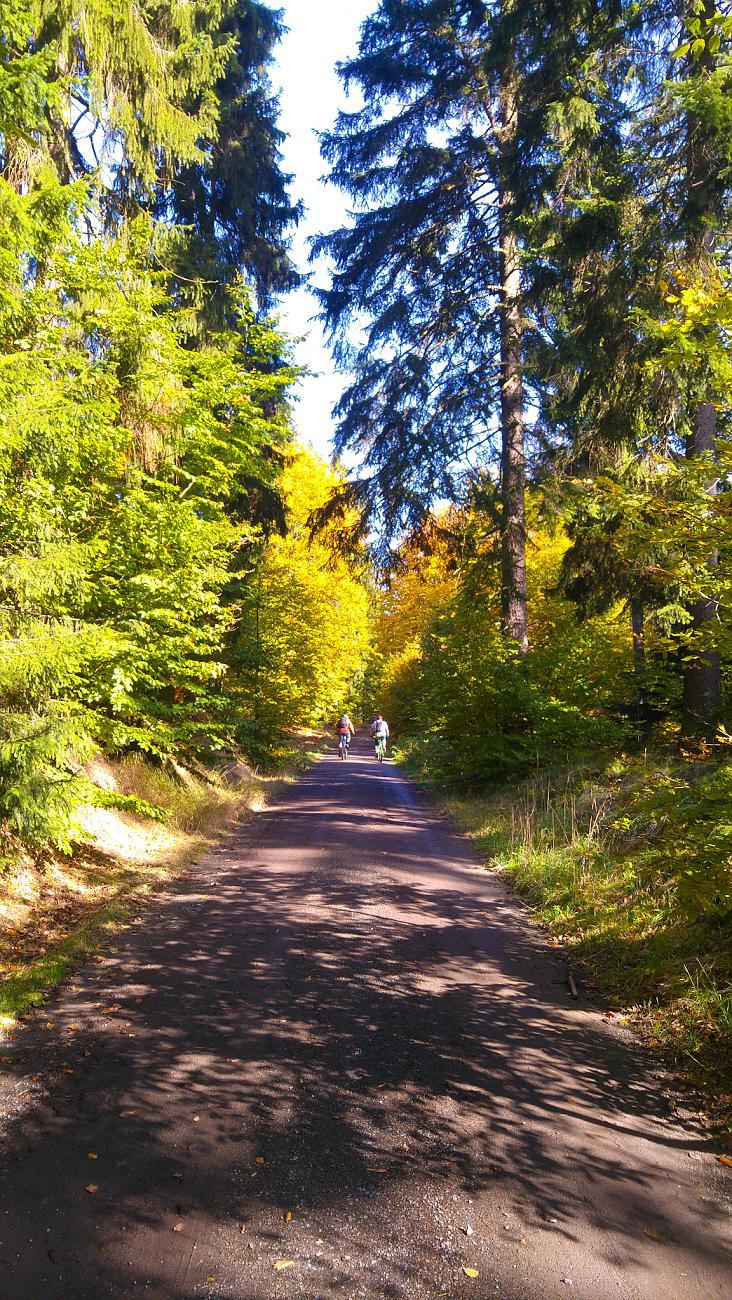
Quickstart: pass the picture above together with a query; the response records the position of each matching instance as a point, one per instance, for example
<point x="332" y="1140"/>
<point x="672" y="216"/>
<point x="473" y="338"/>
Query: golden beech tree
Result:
<point x="306" y="627"/>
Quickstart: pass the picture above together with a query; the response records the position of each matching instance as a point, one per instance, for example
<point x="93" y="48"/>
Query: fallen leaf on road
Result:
<point x="92" y="1187"/>
<point x="725" y="1160"/>
<point x="284" y="1263"/>
<point x="259" y="1160"/>
<point x="373" y="1169"/>
<point x="651" y="1232"/>
<point x="471" y="1272"/>
<point x="92" y="1155"/>
<point x="287" y="1216"/>
<point x="177" y="1227"/>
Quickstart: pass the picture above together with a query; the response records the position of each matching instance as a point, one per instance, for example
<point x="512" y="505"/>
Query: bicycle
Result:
<point x="380" y="748"/>
<point x="344" y="741"/>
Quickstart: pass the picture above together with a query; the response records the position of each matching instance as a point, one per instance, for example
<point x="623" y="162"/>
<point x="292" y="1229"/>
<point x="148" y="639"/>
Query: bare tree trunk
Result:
<point x="258" y="659"/>
<point x="702" y="672"/>
<point x="703" y="669"/>
<point x="637" y="620"/>
<point x="513" y="463"/>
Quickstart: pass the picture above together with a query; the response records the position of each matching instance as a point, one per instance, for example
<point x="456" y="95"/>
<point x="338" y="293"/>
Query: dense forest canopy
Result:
<point x="532" y="302"/>
<point x="149" y="479"/>
<point x="526" y="563"/>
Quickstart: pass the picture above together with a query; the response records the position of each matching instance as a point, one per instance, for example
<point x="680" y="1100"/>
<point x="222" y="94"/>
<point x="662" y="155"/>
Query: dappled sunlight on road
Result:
<point x="340" y="1017"/>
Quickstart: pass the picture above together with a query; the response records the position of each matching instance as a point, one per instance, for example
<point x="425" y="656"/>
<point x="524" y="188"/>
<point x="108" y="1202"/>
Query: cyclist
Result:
<point x="345" y="730"/>
<point x="380" y="733"/>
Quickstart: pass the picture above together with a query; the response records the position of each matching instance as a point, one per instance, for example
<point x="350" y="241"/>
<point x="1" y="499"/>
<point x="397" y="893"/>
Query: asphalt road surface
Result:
<point x="340" y="1046"/>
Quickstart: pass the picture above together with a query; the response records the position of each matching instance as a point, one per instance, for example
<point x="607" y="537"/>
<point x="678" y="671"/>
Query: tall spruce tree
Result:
<point x="595" y="262"/>
<point x="134" y="85"/>
<point x="234" y="201"/>
<point x="171" y="105"/>
<point x="444" y="160"/>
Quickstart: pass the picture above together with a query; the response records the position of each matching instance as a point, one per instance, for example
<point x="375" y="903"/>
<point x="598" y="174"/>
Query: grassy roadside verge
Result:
<point x="141" y="829"/>
<point x="588" y="849"/>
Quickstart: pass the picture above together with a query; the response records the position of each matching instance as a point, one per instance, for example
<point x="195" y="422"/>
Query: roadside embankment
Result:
<point x="137" y="829"/>
<point x="627" y="862"/>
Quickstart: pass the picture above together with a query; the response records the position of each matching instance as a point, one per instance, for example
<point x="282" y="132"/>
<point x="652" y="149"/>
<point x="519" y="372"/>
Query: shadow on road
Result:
<point x="336" y="1008"/>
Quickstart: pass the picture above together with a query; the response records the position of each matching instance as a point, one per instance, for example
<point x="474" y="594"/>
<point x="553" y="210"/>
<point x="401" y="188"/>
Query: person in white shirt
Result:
<point x="380" y="733"/>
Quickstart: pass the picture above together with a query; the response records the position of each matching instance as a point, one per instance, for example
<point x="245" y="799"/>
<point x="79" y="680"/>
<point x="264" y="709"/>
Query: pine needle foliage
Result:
<point x="140" y="78"/>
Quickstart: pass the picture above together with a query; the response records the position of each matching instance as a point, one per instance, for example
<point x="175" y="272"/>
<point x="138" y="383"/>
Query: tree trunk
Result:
<point x="702" y="673"/>
<point x="637" y="620"/>
<point x="703" y="669"/>
<point x="513" y="463"/>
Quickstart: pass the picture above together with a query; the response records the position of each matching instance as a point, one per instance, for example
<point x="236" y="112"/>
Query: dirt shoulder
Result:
<point x="568" y="844"/>
<point x="333" y="1048"/>
<point x="57" y="910"/>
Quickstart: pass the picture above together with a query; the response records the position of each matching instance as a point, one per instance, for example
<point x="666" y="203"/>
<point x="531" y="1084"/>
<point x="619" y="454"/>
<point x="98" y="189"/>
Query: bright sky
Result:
<point x="322" y="32"/>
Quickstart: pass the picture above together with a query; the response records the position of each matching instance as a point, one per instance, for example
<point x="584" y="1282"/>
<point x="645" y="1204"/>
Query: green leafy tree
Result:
<point x="135" y="471"/>
<point x="122" y="454"/>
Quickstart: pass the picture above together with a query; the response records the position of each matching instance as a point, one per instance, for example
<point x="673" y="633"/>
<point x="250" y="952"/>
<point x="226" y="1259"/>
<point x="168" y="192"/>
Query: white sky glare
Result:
<point x="321" y="33"/>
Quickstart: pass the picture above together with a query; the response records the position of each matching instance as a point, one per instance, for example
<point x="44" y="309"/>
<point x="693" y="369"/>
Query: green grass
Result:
<point x="602" y="872"/>
<point x="30" y="987"/>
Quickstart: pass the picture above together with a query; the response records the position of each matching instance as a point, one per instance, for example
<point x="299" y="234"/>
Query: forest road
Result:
<point x="339" y="1017"/>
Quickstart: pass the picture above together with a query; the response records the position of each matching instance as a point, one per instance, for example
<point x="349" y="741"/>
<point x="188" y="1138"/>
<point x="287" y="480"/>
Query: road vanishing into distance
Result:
<point x="338" y="1061"/>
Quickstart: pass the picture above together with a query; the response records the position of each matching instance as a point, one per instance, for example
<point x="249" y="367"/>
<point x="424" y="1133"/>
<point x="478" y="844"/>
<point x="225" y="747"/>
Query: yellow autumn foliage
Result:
<point x="310" y="620"/>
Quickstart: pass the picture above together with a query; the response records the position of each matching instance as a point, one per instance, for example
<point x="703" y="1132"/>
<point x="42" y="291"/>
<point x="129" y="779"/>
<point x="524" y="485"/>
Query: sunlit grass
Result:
<point x="577" y="856"/>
